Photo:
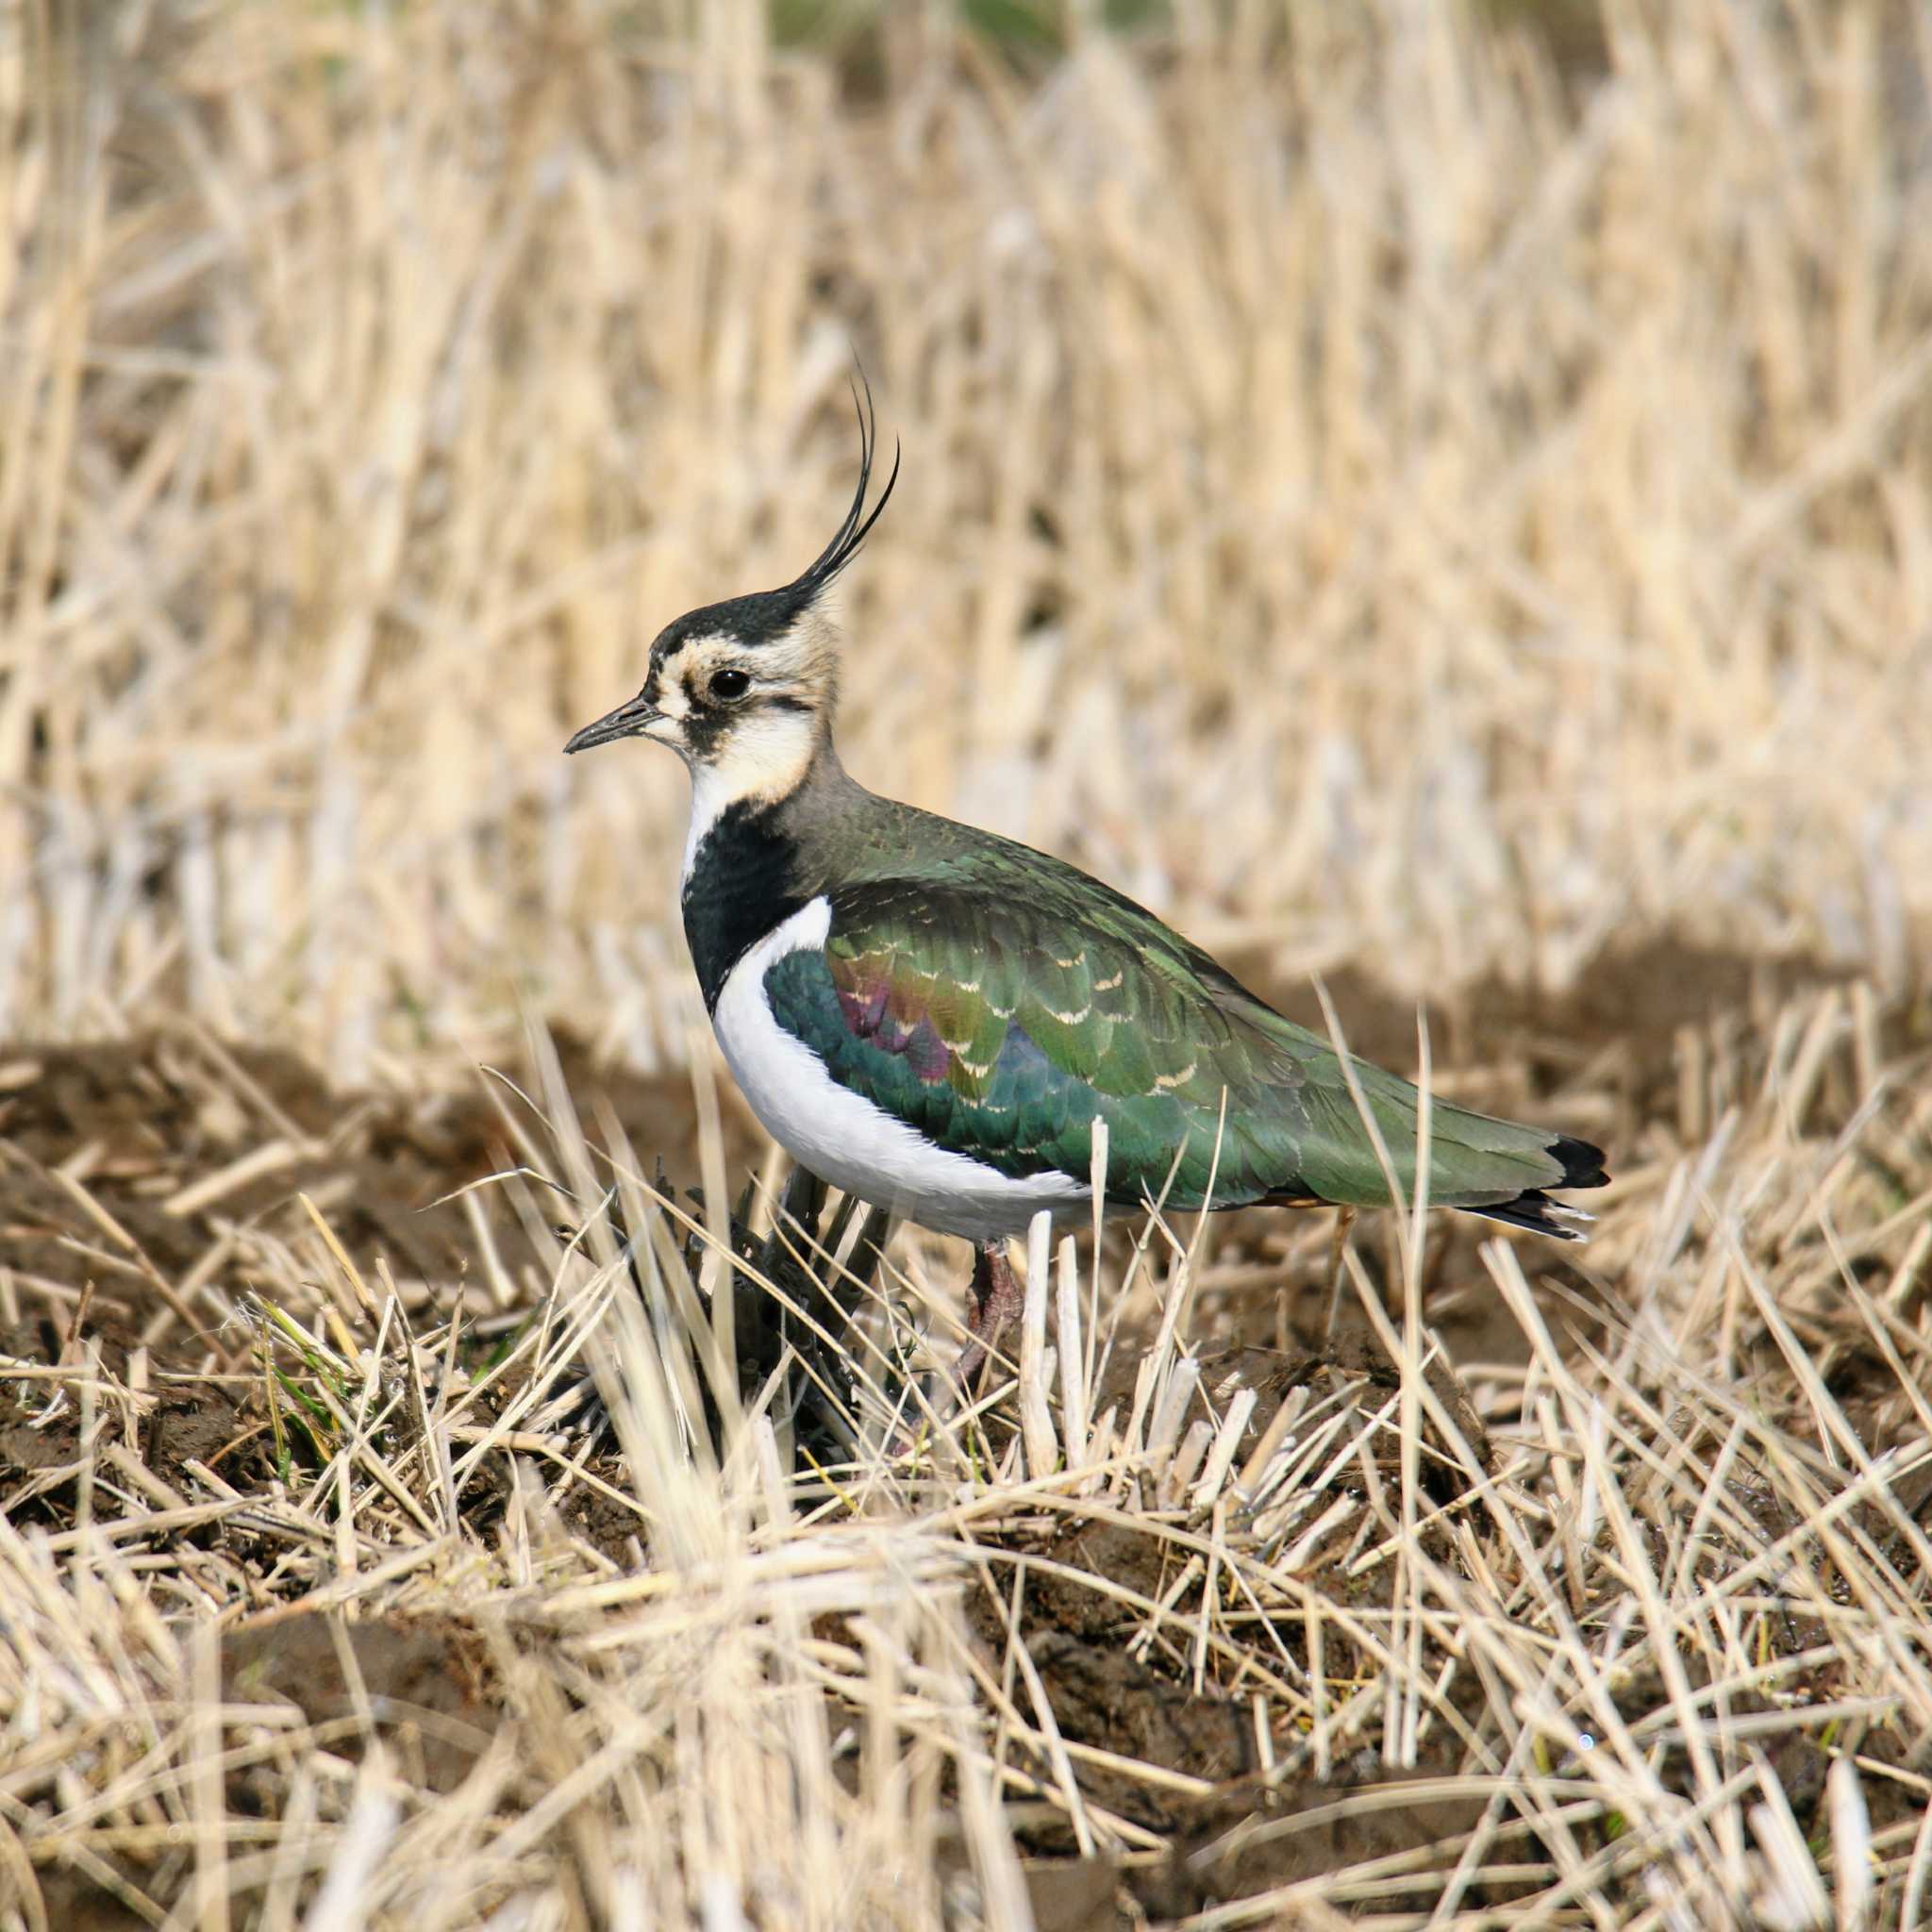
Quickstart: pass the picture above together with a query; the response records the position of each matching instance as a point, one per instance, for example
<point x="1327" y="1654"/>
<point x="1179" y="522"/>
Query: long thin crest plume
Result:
<point x="857" y="524"/>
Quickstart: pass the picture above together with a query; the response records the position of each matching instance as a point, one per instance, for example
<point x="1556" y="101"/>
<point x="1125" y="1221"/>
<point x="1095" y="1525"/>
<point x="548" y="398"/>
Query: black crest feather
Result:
<point x="770" y="614"/>
<point x="857" y="524"/>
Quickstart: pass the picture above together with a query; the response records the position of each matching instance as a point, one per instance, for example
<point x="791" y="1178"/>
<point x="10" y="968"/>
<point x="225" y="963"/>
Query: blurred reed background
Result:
<point x="1445" y="487"/>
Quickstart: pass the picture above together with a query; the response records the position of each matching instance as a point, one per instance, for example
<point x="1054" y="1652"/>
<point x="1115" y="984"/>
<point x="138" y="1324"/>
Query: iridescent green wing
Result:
<point x="1000" y="1016"/>
<point x="1000" y="1030"/>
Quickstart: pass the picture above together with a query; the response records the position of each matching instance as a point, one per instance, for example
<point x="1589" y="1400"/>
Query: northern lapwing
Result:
<point x="932" y="1017"/>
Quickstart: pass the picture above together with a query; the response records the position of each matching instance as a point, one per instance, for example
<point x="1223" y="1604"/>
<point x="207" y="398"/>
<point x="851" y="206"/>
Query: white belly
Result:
<point x="841" y="1136"/>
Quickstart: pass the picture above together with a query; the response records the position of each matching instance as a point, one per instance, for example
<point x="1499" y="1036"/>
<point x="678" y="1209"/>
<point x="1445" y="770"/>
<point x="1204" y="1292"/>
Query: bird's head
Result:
<point x="743" y="691"/>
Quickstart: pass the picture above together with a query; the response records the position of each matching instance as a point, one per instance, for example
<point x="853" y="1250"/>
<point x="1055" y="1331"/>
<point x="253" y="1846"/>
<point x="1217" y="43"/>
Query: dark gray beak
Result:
<point x="627" y="721"/>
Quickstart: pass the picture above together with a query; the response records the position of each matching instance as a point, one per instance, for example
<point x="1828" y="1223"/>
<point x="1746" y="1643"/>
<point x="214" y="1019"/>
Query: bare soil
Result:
<point x="105" y="1146"/>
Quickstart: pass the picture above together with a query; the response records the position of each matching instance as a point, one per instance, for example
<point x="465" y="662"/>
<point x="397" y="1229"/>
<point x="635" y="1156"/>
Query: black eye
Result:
<point x="727" y="686"/>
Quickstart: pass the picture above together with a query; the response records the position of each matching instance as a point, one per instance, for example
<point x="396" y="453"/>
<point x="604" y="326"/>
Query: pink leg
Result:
<point x="995" y="1300"/>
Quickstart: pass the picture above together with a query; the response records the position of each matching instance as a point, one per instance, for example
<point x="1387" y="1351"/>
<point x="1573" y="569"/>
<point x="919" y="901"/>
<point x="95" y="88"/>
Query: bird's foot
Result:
<point x="996" y="1300"/>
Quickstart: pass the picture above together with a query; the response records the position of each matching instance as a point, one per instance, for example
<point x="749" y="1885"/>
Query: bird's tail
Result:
<point x="1499" y="1169"/>
<point x="1583" y="1167"/>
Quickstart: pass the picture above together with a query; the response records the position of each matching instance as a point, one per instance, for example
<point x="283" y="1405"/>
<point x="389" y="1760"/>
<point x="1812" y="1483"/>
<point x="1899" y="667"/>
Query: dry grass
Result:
<point x="1364" y="498"/>
<point x="1579" y="1640"/>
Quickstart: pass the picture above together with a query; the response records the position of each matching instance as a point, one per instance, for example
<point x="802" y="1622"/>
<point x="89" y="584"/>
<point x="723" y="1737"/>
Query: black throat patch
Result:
<point x="743" y="882"/>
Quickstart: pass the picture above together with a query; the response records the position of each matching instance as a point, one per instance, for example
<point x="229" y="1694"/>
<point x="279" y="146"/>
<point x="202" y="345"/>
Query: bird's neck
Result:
<point x="753" y="859"/>
<point x="768" y="759"/>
